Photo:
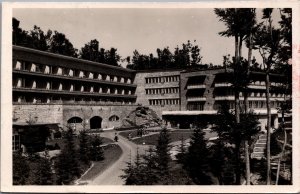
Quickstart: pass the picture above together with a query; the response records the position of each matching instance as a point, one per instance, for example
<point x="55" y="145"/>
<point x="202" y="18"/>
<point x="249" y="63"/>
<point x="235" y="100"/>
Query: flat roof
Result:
<point x="49" y="54"/>
<point x="23" y="124"/>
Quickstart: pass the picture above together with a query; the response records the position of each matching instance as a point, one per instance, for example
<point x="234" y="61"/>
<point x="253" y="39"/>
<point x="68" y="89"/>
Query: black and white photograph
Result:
<point x="149" y="95"/>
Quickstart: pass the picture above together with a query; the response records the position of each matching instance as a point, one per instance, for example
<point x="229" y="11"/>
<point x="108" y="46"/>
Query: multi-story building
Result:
<point x="58" y="90"/>
<point x="203" y="92"/>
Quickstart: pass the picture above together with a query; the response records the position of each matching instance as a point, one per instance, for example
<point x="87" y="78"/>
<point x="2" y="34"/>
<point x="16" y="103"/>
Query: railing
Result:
<point x="76" y="103"/>
<point x="191" y="99"/>
<point x="261" y="85"/>
<point x="196" y="86"/>
<point x="249" y="98"/>
<point x="72" y="92"/>
<point x="68" y="77"/>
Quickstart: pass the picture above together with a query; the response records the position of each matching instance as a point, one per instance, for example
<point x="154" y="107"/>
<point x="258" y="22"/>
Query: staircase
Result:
<point x="259" y="147"/>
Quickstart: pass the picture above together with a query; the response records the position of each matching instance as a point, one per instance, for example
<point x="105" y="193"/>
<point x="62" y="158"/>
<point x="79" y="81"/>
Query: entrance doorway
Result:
<point x="95" y="122"/>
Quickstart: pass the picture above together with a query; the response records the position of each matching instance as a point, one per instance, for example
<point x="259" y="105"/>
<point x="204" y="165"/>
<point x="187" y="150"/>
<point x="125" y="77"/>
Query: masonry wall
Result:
<point x="41" y="113"/>
<point x="143" y="98"/>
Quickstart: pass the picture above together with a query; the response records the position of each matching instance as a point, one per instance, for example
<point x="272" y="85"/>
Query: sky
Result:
<point x="142" y="29"/>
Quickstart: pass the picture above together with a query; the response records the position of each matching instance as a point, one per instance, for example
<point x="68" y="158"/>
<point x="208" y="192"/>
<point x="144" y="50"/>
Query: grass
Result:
<point x="152" y="139"/>
<point x="175" y="136"/>
<point x="60" y="142"/>
<point x="112" y="153"/>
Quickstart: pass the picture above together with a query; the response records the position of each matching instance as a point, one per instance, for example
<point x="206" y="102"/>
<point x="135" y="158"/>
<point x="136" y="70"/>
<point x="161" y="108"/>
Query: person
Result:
<point x="116" y="137"/>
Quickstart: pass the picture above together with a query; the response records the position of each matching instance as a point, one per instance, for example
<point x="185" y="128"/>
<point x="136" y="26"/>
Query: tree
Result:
<point x="61" y="45"/>
<point x="84" y="147"/>
<point x="268" y="41"/>
<point x="67" y="166"/>
<point x="196" y="161"/>
<point x="162" y="151"/>
<point x="44" y="175"/>
<point x="20" y="169"/>
<point x="181" y="152"/>
<point x="239" y="23"/>
<point x="90" y="51"/>
<point x="96" y="152"/>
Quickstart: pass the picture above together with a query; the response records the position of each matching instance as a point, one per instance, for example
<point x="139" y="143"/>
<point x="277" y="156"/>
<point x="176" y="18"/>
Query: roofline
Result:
<point x="49" y="54"/>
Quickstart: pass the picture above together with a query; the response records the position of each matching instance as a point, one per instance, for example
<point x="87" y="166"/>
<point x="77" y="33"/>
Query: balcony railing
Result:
<point x="38" y="90"/>
<point x="194" y="99"/>
<point x="86" y="103"/>
<point x="249" y="98"/>
<point x="261" y="85"/>
<point x="196" y="86"/>
<point x="67" y="77"/>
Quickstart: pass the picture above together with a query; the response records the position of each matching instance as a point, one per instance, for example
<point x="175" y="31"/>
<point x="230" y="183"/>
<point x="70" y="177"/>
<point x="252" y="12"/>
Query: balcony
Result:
<point x="196" y="86"/>
<point x="76" y="93"/>
<point x="231" y="98"/>
<point x="223" y="84"/>
<point x="196" y="99"/>
<point x="68" y="77"/>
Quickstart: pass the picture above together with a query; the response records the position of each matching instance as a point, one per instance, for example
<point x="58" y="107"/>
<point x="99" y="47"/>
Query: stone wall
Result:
<point x="41" y="113"/>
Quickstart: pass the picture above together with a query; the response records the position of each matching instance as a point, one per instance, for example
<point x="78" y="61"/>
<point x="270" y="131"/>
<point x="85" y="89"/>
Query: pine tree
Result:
<point x="67" y="166"/>
<point x="84" y="147"/>
<point x="196" y="162"/>
<point x="181" y="152"/>
<point x="96" y="152"/>
<point x="162" y="152"/>
<point x="150" y="167"/>
<point x="44" y="175"/>
<point x="20" y="169"/>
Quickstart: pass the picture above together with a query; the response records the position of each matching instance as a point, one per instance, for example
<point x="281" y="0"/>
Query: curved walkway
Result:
<point x="111" y="176"/>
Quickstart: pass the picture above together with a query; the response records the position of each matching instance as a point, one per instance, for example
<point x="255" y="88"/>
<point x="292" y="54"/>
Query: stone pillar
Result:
<point x="99" y="76"/>
<point x="123" y="91"/>
<point x="33" y="84"/>
<point x="116" y="91"/>
<point x="122" y="80"/>
<point x="71" y="72"/>
<point x="33" y="67"/>
<point x="108" y="90"/>
<point x="92" y="89"/>
<point x="82" y="89"/>
<point x="107" y="78"/>
<point x="19" y="99"/>
<point x="18" y="65"/>
<point x="91" y="75"/>
<point x="115" y="78"/>
<point x="129" y="92"/>
<point x="100" y="90"/>
<point x="48" y="100"/>
<point x="60" y="86"/>
<point x="19" y="83"/>
<point x="48" y="86"/>
<point x="47" y="69"/>
<point x="129" y="81"/>
<point x="71" y="88"/>
<point x="34" y="100"/>
<point x="81" y="74"/>
<point x="59" y="71"/>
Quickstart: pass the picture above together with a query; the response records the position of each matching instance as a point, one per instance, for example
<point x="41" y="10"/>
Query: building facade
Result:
<point x="51" y="88"/>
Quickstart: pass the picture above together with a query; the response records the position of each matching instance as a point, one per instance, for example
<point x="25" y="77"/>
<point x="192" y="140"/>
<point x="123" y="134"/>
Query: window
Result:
<point x="114" y="118"/>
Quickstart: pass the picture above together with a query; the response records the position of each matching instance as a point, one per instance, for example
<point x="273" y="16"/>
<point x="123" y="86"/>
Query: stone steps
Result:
<point x="259" y="147"/>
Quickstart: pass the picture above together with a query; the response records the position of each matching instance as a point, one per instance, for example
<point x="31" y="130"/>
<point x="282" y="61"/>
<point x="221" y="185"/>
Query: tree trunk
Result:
<point x="246" y="104"/>
<point x="268" y="126"/>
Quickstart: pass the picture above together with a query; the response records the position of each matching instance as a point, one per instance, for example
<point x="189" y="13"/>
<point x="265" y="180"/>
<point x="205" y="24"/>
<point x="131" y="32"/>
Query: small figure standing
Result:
<point x="116" y="137"/>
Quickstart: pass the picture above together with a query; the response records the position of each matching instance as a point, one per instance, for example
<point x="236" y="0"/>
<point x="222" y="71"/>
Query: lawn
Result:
<point x="112" y="153"/>
<point x="60" y="142"/>
<point x="175" y="136"/>
<point x="152" y="139"/>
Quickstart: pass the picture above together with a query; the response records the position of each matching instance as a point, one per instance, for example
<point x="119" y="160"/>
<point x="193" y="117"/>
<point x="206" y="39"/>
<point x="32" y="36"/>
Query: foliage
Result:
<point x="96" y="151"/>
<point x="196" y="159"/>
<point x="92" y="51"/>
<point x="20" y="169"/>
<point x="67" y="166"/>
<point x="186" y="56"/>
<point x="43" y="173"/>
<point x="84" y="147"/>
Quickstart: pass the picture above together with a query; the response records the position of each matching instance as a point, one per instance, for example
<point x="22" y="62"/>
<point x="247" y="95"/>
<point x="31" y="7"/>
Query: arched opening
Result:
<point x="75" y="120"/>
<point x="114" y="118"/>
<point x="95" y="122"/>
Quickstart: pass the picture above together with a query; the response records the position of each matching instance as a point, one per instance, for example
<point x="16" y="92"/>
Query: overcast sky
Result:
<point x="130" y="29"/>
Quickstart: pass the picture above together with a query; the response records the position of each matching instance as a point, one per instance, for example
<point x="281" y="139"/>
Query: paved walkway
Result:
<point x="111" y="176"/>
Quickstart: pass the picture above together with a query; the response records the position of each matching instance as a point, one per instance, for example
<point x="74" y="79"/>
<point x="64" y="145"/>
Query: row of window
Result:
<point x="56" y="70"/>
<point x="252" y="104"/>
<point x="174" y="90"/>
<point x="162" y="79"/>
<point x="195" y="106"/>
<point x="48" y="100"/>
<point x="162" y="102"/>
